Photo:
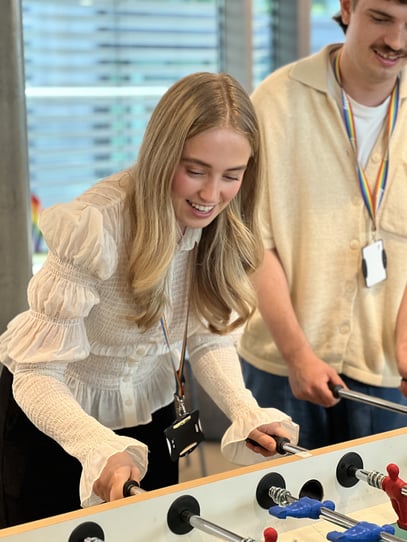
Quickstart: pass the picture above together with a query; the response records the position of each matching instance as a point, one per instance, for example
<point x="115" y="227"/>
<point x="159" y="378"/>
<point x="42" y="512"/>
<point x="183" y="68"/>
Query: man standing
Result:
<point x="332" y="287"/>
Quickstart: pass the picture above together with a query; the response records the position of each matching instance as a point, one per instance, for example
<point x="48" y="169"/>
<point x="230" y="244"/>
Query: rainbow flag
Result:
<point x="37" y="238"/>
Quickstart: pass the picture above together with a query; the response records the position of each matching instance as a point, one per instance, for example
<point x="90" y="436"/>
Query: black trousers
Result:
<point x="39" y="479"/>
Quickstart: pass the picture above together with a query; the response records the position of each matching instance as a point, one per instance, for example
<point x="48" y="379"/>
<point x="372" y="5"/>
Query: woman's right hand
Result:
<point x="119" y="469"/>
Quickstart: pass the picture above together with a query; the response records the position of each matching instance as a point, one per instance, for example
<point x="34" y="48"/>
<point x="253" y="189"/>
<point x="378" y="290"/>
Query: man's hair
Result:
<point x="338" y="17"/>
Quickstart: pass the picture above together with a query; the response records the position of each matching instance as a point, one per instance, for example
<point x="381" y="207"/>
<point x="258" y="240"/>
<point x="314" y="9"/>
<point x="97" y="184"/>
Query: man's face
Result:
<point x="376" y="38"/>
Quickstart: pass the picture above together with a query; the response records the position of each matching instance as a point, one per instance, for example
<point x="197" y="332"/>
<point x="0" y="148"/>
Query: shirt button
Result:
<point x="354" y="244"/>
<point x="140" y="351"/>
<point x="376" y="157"/>
<point x="344" y="328"/>
<point x="350" y="288"/>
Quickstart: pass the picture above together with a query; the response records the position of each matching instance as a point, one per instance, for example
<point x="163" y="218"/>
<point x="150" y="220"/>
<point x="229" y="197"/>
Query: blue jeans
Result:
<point x="321" y="426"/>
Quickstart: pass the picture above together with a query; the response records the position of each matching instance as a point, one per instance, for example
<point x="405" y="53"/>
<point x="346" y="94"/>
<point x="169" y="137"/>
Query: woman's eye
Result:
<point x="230" y="178"/>
<point x="193" y="172"/>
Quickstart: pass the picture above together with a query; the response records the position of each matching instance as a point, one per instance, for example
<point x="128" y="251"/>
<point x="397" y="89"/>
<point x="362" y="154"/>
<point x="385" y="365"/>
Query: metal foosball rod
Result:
<point x="210" y="528"/>
<point x="283" y="446"/>
<point x="374" y="479"/>
<point x="350" y="471"/>
<point x="340" y="392"/>
<point x="183" y="516"/>
<point x="282" y="497"/>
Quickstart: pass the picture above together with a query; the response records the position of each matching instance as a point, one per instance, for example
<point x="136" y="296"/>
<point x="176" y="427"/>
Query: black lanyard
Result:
<point x="179" y="373"/>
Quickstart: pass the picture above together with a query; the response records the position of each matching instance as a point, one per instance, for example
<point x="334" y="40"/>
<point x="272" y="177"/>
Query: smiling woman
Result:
<point x="95" y="361"/>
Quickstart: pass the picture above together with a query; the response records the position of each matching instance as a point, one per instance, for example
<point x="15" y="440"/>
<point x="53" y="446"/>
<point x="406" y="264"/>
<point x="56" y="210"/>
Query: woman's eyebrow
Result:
<point x="199" y="162"/>
<point x="194" y="161"/>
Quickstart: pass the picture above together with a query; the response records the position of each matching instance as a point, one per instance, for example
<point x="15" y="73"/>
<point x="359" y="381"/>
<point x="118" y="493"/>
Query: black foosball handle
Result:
<point x="87" y="530"/>
<point x="131" y="487"/>
<point x="183" y="516"/>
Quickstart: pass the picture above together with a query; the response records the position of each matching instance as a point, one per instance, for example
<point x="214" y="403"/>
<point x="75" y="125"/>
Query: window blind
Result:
<point x="323" y="29"/>
<point x="94" y="71"/>
<point x="262" y="40"/>
<point x="290" y="30"/>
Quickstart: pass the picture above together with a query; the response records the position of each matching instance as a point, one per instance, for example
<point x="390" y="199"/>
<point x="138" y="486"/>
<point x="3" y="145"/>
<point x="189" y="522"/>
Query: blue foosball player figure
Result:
<point x="362" y="532"/>
<point x="302" y="508"/>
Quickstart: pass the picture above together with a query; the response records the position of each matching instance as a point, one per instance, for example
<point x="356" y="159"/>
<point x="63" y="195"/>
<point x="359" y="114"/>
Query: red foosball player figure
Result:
<point x="393" y="486"/>
<point x="270" y="535"/>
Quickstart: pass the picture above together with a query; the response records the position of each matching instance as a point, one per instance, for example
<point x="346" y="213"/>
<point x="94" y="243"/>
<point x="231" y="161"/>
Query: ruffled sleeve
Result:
<point x="82" y="252"/>
<point x="217" y="368"/>
<point x="40" y="389"/>
<point x="233" y="444"/>
<point x="78" y="234"/>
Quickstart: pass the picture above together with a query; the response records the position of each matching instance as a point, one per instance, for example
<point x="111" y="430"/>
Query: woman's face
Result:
<point x="209" y="175"/>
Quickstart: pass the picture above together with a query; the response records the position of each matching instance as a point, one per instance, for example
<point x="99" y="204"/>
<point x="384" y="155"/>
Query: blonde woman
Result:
<point x="146" y="264"/>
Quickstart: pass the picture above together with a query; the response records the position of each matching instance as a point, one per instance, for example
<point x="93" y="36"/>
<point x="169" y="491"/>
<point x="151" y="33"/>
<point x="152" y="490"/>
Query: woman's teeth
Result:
<point x="202" y="208"/>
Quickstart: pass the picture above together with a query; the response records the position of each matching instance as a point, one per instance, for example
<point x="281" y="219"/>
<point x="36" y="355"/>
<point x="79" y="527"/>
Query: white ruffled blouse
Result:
<point x="82" y="368"/>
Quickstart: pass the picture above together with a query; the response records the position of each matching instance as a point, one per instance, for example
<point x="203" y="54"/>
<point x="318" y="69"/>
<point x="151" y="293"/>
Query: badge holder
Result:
<point x="374" y="263"/>
<point x="185" y="433"/>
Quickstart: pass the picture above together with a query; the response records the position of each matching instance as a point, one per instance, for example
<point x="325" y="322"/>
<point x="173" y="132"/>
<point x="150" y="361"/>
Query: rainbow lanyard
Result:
<point x="372" y="201"/>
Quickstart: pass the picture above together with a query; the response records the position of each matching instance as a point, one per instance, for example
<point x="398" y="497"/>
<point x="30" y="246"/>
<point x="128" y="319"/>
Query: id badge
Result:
<point x="184" y="435"/>
<point x="374" y="263"/>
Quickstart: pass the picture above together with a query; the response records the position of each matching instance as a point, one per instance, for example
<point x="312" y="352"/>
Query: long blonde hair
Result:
<point x="230" y="247"/>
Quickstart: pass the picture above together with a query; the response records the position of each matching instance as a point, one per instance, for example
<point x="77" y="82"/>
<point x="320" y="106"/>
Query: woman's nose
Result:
<point x="210" y="189"/>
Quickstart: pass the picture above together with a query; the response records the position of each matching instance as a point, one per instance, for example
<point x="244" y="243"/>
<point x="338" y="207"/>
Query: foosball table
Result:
<point x="350" y="491"/>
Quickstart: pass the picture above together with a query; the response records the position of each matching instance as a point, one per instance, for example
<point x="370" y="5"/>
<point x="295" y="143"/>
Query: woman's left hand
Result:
<point x="263" y="436"/>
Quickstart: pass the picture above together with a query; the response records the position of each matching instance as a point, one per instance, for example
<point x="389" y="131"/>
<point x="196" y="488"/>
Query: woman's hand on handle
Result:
<point x="262" y="440"/>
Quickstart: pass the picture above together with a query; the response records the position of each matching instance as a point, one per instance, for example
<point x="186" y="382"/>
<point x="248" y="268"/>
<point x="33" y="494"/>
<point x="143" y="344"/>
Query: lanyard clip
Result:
<point x="180" y="409"/>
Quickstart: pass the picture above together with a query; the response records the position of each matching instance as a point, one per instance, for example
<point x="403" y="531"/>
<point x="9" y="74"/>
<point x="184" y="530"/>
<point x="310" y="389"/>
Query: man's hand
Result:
<point x="310" y="378"/>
